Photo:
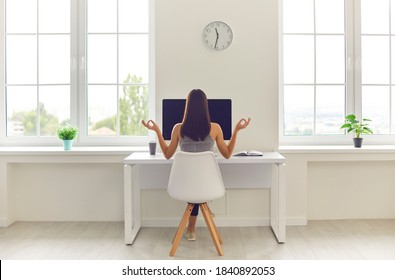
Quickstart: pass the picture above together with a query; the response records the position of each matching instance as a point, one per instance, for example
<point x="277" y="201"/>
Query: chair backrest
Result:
<point x="195" y="177"/>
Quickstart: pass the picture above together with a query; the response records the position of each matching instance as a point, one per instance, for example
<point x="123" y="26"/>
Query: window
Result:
<point x="37" y="66"/>
<point x="377" y="63"/>
<point x="314" y="70"/>
<point x="337" y="60"/>
<point x="81" y="62"/>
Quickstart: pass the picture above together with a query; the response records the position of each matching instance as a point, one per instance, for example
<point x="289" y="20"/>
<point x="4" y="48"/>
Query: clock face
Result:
<point x="217" y="36"/>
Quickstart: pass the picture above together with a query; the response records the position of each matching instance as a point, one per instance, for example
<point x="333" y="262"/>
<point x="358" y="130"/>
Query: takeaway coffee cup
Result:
<point x="152" y="147"/>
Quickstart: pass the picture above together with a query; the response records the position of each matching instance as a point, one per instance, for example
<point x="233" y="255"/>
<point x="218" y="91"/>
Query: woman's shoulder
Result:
<point x="177" y="126"/>
<point x="215" y="126"/>
<point x="215" y="130"/>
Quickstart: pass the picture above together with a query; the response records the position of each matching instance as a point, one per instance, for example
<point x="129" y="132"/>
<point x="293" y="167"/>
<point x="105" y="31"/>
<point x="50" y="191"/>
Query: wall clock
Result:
<point x="217" y="36"/>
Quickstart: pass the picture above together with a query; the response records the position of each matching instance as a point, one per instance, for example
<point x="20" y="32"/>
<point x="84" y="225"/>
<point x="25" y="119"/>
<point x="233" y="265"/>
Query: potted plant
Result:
<point x="67" y="133"/>
<point x="352" y="124"/>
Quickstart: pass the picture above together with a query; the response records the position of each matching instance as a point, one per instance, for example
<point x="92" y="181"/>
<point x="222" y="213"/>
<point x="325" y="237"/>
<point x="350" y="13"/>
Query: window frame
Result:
<point x="353" y="84"/>
<point x="78" y="102"/>
<point x="349" y="84"/>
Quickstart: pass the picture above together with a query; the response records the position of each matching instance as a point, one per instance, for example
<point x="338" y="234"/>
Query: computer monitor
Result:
<point x="220" y="112"/>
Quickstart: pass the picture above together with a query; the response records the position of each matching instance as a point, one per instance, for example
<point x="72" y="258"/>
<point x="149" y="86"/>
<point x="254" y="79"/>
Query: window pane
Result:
<point x="298" y="110"/>
<point x="330" y="59"/>
<point x="329" y="16"/>
<point x="102" y="110"/>
<point x="376" y="106"/>
<point x="133" y="57"/>
<point x="54" y="16"/>
<point x="21" y="16"/>
<point x="54" y="108"/>
<point x="298" y="16"/>
<point x="330" y="106"/>
<point x="101" y="16"/>
<point x="54" y="62"/>
<point x="21" y="110"/>
<point x="102" y="58"/>
<point x="21" y="59"/>
<point x="375" y="16"/>
<point x="133" y="107"/>
<point x="298" y="59"/>
<point x="375" y="60"/>
<point x="133" y="15"/>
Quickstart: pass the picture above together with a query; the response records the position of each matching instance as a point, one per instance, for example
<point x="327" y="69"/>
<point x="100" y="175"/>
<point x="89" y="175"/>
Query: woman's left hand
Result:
<point x="150" y="125"/>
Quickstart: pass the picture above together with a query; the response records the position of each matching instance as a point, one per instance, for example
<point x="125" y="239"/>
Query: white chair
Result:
<point x="195" y="178"/>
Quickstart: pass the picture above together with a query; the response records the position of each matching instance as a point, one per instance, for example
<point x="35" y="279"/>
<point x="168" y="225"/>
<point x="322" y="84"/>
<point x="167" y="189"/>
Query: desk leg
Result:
<point x="131" y="203"/>
<point x="277" y="202"/>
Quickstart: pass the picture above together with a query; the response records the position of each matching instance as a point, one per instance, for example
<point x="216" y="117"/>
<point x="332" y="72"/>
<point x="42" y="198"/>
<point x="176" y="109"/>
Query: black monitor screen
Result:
<point x="220" y="112"/>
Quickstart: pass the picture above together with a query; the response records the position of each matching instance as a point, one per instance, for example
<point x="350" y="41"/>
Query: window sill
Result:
<point x="76" y="151"/>
<point x="339" y="149"/>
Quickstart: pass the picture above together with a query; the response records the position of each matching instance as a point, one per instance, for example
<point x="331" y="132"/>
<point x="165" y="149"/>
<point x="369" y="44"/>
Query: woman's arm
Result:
<point x="226" y="150"/>
<point x="167" y="150"/>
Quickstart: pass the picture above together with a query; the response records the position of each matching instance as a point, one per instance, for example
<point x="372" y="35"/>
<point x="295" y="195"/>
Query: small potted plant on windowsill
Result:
<point x="352" y="124"/>
<point x="67" y="133"/>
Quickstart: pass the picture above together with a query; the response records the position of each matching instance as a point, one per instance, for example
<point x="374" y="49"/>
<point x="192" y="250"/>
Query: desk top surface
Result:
<point x="146" y="158"/>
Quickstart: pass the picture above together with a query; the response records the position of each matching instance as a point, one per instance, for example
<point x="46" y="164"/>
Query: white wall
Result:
<point x="346" y="190"/>
<point x="246" y="72"/>
<point x="68" y="191"/>
<point x="350" y="184"/>
<point x="318" y="185"/>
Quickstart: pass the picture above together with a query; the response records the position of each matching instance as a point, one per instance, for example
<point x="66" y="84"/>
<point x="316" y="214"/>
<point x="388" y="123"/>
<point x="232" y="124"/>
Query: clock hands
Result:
<point x="211" y="36"/>
<point x="216" y="41"/>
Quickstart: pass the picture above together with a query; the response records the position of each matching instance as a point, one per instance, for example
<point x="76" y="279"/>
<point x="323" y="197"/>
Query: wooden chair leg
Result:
<point x="210" y="216"/>
<point x="211" y="228"/>
<point x="180" y="230"/>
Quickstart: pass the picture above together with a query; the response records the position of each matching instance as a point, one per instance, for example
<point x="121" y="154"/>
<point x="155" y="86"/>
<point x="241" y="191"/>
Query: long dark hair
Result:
<point x="196" y="123"/>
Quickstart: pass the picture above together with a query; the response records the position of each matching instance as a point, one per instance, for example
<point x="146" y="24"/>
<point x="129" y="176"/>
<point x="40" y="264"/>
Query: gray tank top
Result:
<point x="189" y="145"/>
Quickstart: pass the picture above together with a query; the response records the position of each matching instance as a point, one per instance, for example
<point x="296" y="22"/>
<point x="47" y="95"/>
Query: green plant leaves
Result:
<point x="67" y="132"/>
<point x="352" y="124"/>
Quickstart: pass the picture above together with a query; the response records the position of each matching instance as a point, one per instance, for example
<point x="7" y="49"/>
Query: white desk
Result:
<point x="267" y="171"/>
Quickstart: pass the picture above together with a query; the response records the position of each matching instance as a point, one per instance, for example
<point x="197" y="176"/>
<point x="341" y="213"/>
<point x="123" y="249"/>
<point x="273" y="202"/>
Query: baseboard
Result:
<point x="5" y="222"/>
<point x="220" y="221"/>
<point x="297" y="221"/>
<point x="223" y="222"/>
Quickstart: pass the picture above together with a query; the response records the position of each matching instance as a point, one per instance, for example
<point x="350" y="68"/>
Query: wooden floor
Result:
<point x="323" y="240"/>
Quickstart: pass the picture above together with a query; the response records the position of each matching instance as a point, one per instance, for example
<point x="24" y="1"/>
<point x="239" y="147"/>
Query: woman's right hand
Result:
<point x="243" y="123"/>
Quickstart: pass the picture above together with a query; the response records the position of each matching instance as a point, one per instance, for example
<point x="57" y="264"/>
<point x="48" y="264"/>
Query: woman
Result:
<point x="196" y="133"/>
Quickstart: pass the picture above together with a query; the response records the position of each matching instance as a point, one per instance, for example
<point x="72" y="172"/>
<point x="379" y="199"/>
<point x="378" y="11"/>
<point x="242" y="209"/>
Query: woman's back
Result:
<point x="189" y="145"/>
